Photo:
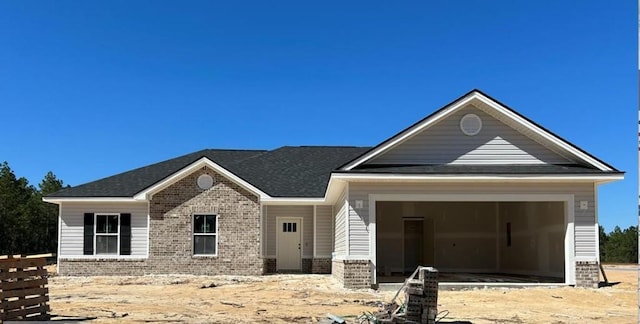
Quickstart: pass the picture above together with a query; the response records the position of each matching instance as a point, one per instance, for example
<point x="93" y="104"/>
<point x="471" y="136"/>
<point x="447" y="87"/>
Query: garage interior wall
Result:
<point x="472" y="236"/>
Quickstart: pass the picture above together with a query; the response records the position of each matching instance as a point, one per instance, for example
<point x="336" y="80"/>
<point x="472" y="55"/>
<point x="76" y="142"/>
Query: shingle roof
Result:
<point x="295" y="171"/>
<point x="302" y="171"/>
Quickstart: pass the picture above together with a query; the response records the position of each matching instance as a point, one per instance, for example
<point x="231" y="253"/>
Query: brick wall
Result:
<point x="306" y="265"/>
<point x="587" y="274"/>
<point x="337" y="270"/>
<point x="321" y="266"/>
<point x="354" y="274"/>
<point x="171" y="235"/>
<point x="269" y="265"/>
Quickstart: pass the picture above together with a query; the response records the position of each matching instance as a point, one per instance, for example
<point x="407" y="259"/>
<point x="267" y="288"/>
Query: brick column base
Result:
<point x="269" y="265"/>
<point x="587" y="274"/>
<point x="321" y="266"/>
<point x="353" y="274"/>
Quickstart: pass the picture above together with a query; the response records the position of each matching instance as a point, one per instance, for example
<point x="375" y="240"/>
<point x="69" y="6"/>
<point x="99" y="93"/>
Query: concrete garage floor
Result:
<point x="459" y="280"/>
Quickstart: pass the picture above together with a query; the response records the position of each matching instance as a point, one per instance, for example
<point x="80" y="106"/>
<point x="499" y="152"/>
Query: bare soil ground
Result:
<point x="308" y="298"/>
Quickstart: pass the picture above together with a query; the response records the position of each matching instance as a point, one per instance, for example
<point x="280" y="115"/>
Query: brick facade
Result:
<point x="317" y="266"/>
<point x="354" y="274"/>
<point x="171" y="236"/>
<point x="337" y="270"/>
<point x="587" y="274"/>
<point x="269" y="266"/>
<point x="321" y="266"/>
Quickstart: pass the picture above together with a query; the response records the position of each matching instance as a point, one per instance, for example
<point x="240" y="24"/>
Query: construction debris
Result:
<point x="420" y="303"/>
<point x="231" y="304"/>
<point x="336" y="319"/>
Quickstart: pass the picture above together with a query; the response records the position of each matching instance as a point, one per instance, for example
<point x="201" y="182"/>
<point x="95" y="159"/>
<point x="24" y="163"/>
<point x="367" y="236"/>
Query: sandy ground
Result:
<point x="307" y="298"/>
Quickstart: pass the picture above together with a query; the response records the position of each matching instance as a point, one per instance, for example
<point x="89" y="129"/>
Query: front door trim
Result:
<point x="299" y="220"/>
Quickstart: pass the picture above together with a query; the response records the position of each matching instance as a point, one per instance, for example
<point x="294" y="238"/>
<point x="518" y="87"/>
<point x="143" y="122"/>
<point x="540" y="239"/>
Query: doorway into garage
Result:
<point x="472" y="241"/>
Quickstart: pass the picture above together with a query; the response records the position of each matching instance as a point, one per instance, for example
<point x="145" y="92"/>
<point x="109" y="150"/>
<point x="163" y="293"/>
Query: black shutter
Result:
<point x="88" y="233"/>
<point x="125" y="234"/>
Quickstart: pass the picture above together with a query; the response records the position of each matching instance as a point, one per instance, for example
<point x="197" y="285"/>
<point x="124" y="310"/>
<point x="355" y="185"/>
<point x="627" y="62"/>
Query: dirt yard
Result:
<point x="307" y="298"/>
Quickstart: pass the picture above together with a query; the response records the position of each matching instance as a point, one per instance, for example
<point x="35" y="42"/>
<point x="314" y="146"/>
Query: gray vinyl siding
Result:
<point x="324" y="231"/>
<point x="340" y="211"/>
<point x="358" y="231"/>
<point x="305" y="212"/>
<point x="444" y="143"/>
<point x="584" y="221"/>
<point x="72" y="225"/>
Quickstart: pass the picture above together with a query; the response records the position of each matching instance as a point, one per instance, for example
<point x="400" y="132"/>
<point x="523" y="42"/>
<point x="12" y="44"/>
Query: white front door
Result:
<point x="289" y="254"/>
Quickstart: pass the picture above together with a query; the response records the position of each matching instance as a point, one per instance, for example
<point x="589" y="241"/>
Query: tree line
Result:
<point x="619" y="246"/>
<point x="27" y="224"/>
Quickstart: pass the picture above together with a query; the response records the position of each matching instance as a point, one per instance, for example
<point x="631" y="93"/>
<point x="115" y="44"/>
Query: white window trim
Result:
<point x="193" y="235"/>
<point x="96" y="234"/>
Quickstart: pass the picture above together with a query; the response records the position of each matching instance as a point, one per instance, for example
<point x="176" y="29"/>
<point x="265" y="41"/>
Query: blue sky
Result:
<point x="89" y="89"/>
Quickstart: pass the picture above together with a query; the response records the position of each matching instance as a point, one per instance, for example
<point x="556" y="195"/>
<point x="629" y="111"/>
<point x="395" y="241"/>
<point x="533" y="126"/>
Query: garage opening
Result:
<point x="502" y="242"/>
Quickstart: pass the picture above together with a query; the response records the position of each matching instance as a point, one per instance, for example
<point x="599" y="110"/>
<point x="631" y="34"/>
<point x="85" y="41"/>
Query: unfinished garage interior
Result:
<point x="472" y="241"/>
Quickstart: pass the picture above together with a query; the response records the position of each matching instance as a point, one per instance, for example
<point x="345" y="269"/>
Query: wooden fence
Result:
<point x="23" y="288"/>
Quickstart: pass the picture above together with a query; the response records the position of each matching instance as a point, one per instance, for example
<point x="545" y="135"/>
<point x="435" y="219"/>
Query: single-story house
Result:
<point x="474" y="187"/>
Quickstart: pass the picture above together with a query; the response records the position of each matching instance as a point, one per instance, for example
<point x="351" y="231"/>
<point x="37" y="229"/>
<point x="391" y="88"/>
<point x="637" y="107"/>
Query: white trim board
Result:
<point x="101" y="257"/>
<point x="568" y="199"/>
<point x="485" y="178"/>
<point x="315" y="225"/>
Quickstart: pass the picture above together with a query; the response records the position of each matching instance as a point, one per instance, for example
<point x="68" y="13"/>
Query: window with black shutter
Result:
<point x="107" y="234"/>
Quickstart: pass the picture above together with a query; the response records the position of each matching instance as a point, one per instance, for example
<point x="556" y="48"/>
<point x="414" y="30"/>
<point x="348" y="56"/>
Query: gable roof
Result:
<point x="288" y="171"/>
<point x="305" y="171"/>
<point x="497" y="107"/>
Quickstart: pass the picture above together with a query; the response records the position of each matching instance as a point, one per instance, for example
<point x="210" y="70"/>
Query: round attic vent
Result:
<point x="470" y="124"/>
<point x="205" y="181"/>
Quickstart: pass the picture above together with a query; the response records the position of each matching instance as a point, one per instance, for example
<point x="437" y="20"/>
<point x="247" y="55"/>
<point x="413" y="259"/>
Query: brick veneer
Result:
<point x="337" y="270"/>
<point x="306" y="265"/>
<point x="171" y="235"/>
<point x="587" y="274"/>
<point x="270" y="266"/>
<point x="354" y="274"/>
<point x="321" y="266"/>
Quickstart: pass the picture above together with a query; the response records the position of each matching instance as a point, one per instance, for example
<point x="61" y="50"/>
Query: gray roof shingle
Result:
<point x="288" y="171"/>
<point x="129" y="183"/>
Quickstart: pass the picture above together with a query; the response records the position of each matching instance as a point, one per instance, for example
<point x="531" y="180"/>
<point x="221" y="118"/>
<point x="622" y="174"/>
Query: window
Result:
<point x="107" y="233"/>
<point x="289" y="227"/>
<point x="205" y="234"/>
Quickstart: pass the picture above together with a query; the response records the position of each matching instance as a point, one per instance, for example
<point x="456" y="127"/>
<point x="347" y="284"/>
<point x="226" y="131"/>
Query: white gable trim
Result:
<point x="463" y="102"/>
<point x="148" y="193"/>
<point x="599" y="179"/>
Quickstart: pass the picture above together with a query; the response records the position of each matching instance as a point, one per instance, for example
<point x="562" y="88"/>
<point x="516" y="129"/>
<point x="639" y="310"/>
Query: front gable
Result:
<point x="446" y="143"/>
<point x="504" y="138"/>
